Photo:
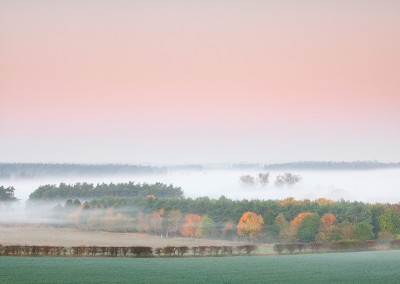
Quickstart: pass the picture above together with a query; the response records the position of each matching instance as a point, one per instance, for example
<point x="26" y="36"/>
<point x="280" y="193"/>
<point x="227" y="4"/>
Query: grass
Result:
<point x="354" y="267"/>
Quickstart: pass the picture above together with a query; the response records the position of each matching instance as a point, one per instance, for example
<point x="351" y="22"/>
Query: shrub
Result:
<point x="158" y="251"/>
<point x="202" y="250"/>
<point x="345" y="244"/>
<point x="291" y="247"/>
<point x="316" y="246"/>
<point x="395" y="244"/>
<point x="182" y="250"/>
<point x="103" y="250"/>
<point x="169" y="250"/>
<point x="227" y="250"/>
<point x="124" y="250"/>
<point x="279" y="248"/>
<point x="248" y="249"/>
<point x="141" y="251"/>
<point x="369" y="244"/>
<point x="301" y="246"/>
<point x="78" y="250"/>
<point x="113" y="251"/>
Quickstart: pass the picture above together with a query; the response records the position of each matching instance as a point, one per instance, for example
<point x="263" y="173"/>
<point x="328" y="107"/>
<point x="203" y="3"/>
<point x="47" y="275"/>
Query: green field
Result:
<point x="356" y="267"/>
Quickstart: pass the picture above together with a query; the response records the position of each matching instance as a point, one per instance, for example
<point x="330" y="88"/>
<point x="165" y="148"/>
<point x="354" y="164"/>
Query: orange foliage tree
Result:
<point x="294" y="224"/>
<point x="250" y="224"/>
<point x="191" y="225"/>
<point x="328" y="220"/>
<point x="328" y="228"/>
<point x="297" y="220"/>
<point x="324" y="201"/>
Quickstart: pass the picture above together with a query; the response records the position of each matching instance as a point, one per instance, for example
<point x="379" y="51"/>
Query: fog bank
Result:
<point x="366" y="186"/>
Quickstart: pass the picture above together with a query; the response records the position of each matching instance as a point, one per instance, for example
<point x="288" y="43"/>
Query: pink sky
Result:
<point x="199" y="81"/>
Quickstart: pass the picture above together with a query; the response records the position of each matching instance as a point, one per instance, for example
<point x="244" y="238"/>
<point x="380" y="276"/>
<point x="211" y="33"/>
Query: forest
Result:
<point x="162" y="210"/>
<point x="89" y="191"/>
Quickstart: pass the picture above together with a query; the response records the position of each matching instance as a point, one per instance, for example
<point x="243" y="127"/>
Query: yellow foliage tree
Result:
<point x="250" y="224"/>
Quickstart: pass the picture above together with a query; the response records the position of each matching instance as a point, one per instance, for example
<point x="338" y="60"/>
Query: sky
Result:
<point x="199" y="81"/>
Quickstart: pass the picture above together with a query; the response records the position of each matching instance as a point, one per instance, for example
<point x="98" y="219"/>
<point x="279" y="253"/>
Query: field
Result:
<point x="355" y="267"/>
<point x="31" y="235"/>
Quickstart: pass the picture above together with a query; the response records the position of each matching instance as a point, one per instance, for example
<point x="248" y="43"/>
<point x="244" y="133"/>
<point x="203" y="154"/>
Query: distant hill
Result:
<point x="34" y="170"/>
<point x="314" y="165"/>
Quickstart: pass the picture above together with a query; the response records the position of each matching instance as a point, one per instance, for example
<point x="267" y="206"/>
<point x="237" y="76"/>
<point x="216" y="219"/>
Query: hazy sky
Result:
<point x="199" y="81"/>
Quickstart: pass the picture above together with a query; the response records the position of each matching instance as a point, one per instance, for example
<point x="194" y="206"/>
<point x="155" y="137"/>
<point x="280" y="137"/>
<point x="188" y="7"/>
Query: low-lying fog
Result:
<point x="367" y="185"/>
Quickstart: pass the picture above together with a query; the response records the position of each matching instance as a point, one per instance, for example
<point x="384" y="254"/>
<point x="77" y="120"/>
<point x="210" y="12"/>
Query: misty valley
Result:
<point x="341" y="216"/>
<point x="281" y="210"/>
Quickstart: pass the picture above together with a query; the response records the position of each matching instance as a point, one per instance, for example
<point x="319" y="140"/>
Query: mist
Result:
<point x="372" y="186"/>
<point x="381" y="185"/>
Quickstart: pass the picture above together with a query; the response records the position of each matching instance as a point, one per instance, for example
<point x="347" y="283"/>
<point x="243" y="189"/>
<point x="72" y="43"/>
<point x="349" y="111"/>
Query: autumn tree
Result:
<point x="249" y="225"/>
<point x="156" y="220"/>
<point x="324" y="201"/>
<point x="346" y="230"/>
<point x="297" y="220"/>
<point x="191" y="225"/>
<point x="328" y="228"/>
<point x="294" y="224"/>
<point x="174" y="222"/>
<point x="114" y="221"/>
<point x="288" y="201"/>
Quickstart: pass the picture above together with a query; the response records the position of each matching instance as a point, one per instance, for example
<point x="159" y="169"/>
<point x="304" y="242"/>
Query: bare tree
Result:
<point x="263" y="178"/>
<point x="287" y="179"/>
<point x="247" y="180"/>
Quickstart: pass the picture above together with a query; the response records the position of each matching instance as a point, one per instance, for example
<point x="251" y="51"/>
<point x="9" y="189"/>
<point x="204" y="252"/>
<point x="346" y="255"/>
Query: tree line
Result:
<point x="90" y="191"/>
<point x="285" y="221"/>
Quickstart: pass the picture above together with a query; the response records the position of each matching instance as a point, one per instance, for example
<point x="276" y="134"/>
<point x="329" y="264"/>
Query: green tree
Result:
<point x="207" y="227"/>
<point x="7" y="193"/>
<point x="308" y="228"/>
<point x="389" y="221"/>
<point x="281" y="228"/>
<point x="228" y="231"/>
<point x="362" y="231"/>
